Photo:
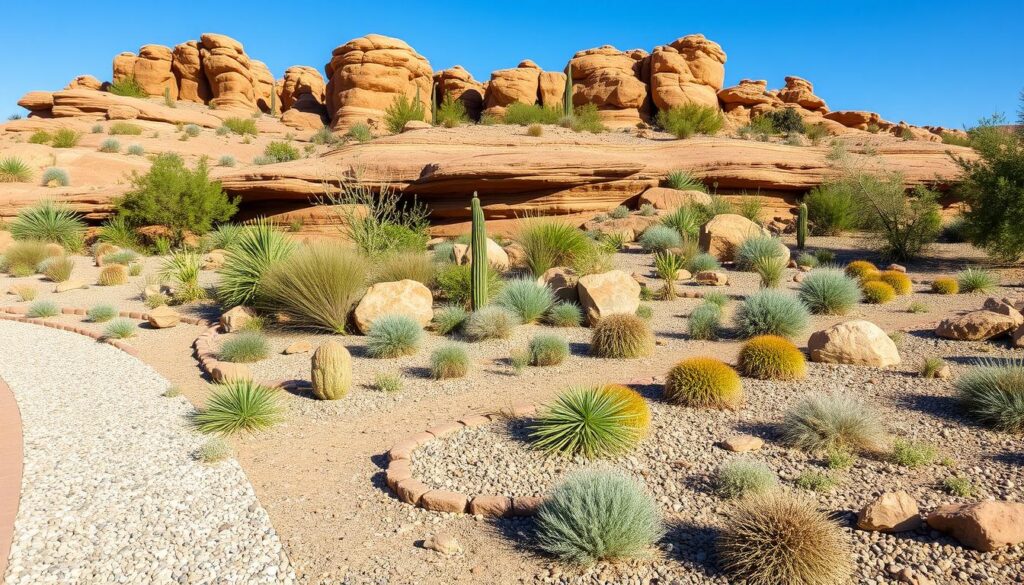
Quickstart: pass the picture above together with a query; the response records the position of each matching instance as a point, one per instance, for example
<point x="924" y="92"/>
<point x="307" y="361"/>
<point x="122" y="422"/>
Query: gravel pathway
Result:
<point x="111" y="490"/>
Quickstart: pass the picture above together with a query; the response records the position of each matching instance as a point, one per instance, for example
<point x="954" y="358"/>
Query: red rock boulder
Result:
<point x="613" y="80"/>
<point x="689" y="70"/>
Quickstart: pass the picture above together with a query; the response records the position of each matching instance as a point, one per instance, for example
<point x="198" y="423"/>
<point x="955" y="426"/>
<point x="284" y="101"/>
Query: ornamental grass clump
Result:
<point x="777" y="538"/>
<point x="703" y="262"/>
<point x="899" y="281"/>
<point x="120" y="329"/>
<point x="214" y="450"/>
<point x="454" y="281"/>
<point x="24" y="292"/>
<point x="705" y="321"/>
<point x="449" y="361"/>
<point x="829" y="291"/>
<point x="945" y="285"/>
<point x="993" y="394"/>
<point x="101" y="313"/>
<point x="241" y="405"/>
<point x="122" y="257"/>
<point x="490" y="322"/>
<point x="564" y="314"/>
<point x="182" y="268"/>
<point x="549" y="242"/>
<point x="859" y="268"/>
<point x="771" y="312"/>
<point x="877" y="292"/>
<point x="596" y="421"/>
<point x="57" y="269"/>
<point x="659" y="238"/>
<point x="403" y="265"/>
<point x="912" y="453"/>
<point x="686" y="221"/>
<point x="756" y="249"/>
<point x="622" y="336"/>
<point x="829" y="422"/>
<point x="449" y="318"/>
<point x="931" y="366"/>
<point x="703" y="382"/>
<point x="393" y="335"/>
<point x="548" y="350"/>
<point x="743" y="477"/>
<point x="977" y="280"/>
<point x="43" y="309"/>
<point x="598" y="515"/>
<point x="49" y="222"/>
<point x="769" y="357"/>
<point x="527" y="299"/>
<point x="245" y="347"/>
<point x="113" y="275"/>
<point x="248" y="259"/>
<point x="54" y="176"/>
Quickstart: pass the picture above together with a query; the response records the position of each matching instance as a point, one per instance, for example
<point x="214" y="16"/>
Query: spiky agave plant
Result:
<point x="594" y="422"/>
<point x="49" y="222"/>
<point x="240" y="405"/>
<point x="182" y="268"/>
<point x="255" y="250"/>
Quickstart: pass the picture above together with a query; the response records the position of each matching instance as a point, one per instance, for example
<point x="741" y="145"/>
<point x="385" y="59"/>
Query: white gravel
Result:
<point x="111" y="491"/>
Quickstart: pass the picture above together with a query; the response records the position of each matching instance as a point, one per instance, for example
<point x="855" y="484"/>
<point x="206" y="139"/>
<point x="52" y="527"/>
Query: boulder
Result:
<point x="742" y="443"/>
<point x="629" y="227"/>
<point x="608" y="293"/>
<point x="723" y="234"/>
<point x="73" y="284"/>
<point x="890" y="512"/>
<point x="977" y="325"/>
<point x="298" y="347"/>
<point x="37" y="101"/>
<point x="665" y="198"/>
<point x="855" y="119"/>
<point x="235" y="319"/>
<point x="460" y="84"/>
<point x="187" y="65"/>
<point x="223" y="372"/>
<point x="1004" y="307"/>
<point x="748" y="93"/>
<point x="551" y="89"/>
<point x="1018" y="336"/>
<point x="508" y="86"/>
<point x="163" y="317"/>
<point x="366" y="75"/>
<point x="405" y="297"/>
<point x="711" y="278"/>
<point x="562" y="281"/>
<point x="229" y="73"/>
<point x="800" y="91"/>
<point x="614" y="81"/>
<point x="516" y="255"/>
<point x="303" y="93"/>
<point x="496" y="255"/>
<point x="263" y="86"/>
<point x="84" y="82"/>
<point x="213" y="260"/>
<point x="690" y="70"/>
<point x="859" y="343"/>
<point x="984" y="526"/>
<point x="151" y="69"/>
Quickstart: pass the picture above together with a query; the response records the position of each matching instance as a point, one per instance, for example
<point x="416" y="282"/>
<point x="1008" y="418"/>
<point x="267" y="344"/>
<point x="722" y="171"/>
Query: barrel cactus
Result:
<point x="331" y="371"/>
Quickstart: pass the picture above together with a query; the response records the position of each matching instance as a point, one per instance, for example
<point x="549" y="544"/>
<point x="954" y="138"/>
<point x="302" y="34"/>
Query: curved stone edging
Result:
<point x="398" y="474"/>
<point x="11" y="463"/>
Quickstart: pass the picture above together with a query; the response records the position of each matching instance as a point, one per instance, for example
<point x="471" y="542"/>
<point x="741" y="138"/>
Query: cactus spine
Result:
<point x="801" y="226"/>
<point x="478" y="243"/>
<point x="567" y="99"/>
<point x="433" y="103"/>
<point x="331" y="371"/>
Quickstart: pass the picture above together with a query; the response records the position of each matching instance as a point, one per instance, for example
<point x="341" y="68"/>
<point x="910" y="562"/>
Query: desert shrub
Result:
<point x="705" y="321"/>
<point x="40" y="137"/>
<point x="191" y="130"/>
<point x="945" y="285"/>
<point x="449" y="318"/>
<point x="241" y="126"/>
<point x="785" y="120"/>
<point x="815" y="133"/>
<point x="825" y="256"/>
<point x="223" y="237"/>
<point x="451" y="112"/>
<point x="389" y="383"/>
<point x="110" y="145"/>
<point x="490" y="322"/>
<point x="750" y="207"/>
<point x="226" y="161"/>
<point x="770" y="270"/>
<point x="598" y="515"/>
<point x="619" y="212"/>
<point x="907" y="223"/>
<point x="120" y="329"/>
<point x="241" y="405"/>
<point x="823" y="423"/>
<point x="912" y="453"/>
<point x="899" y="281"/>
<point x="156" y="300"/>
<point x="831" y="209"/>
<point x="256" y="249"/>
<point x="759" y="127"/>
<point x="97" y="129"/>
<point x="113" y="275"/>
<point x="135" y="150"/>
<point x="659" y="238"/>
<point x="808" y="260"/>
<point x="703" y="382"/>
<point x="828" y="291"/>
<point x="647" y="210"/>
<point x="455" y="283"/>
<point x="959" y="486"/>
<point x="360" y="133"/>
<point x="815" y="481"/>
<point x="548" y="350"/>
<point x="379" y="221"/>
<point x="57" y="269"/>
<point x="917" y="307"/>
<point x="66" y="138"/>
<point x="564" y="314"/>
<point x="402" y="111"/>
<point x="645" y="312"/>
<point x="976" y="280"/>
<point x="771" y="312"/>
<point x="594" y="258"/>
<point x="776" y="538"/>
<point x="716" y="298"/>
<point x="24" y="255"/>
<point x="404" y="265"/>
<point x="535" y="130"/>
<point x="449" y="361"/>
<point x="54" y="175"/>
<point x="667" y="266"/>
<point x="526" y="298"/>
<point x="756" y="247"/>
<point x="127" y="87"/>
<point x="586" y="118"/>
<point x="596" y="421"/>
<point x="993" y="394"/>
<point x="686" y="120"/>
<point x="744" y="477"/>
<point x="101" y="313"/>
<point x="214" y="450"/>
<point x="703" y="262"/>
<point x="621" y="336"/>
<point x="877" y="292"/>
<point x="392" y="336"/>
<point x="122" y="257"/>
<point x="684" y="181"/>
<point x="14" y="170"/>
<point x="860" y="268"/>
<point x="772" y="358"/>
<point x="24" y="292"/>
<point x="245" y="347"/>
<point x="43" y="309"/>
<point x="182" y="268"/>
<point x="124" y="128"/>
<point x="549" y="242"/>
<point x="134" y="269"/>
<point x="526" y="114"/>
<point x="49" y="222"/>
<point x="280" y="151"/>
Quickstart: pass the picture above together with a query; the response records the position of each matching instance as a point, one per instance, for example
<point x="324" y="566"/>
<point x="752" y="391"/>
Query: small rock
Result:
<point x="163" y="317"/>
<point x="69" y="285"/>
<point x="443" y="543"/>
<point x="298" y="347"/>
<point x="235" y="319"/>
<point x="712" y="278"/>
<point x="890" y="512"/>
<point x="742" y="443"/>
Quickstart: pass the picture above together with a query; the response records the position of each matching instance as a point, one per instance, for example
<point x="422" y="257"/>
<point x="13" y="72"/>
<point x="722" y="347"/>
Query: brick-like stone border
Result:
<point x="399" y="478"/>
<point x="11" y="461"/>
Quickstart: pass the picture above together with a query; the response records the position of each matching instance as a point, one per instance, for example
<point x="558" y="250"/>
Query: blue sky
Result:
<point x="939" y="62"/>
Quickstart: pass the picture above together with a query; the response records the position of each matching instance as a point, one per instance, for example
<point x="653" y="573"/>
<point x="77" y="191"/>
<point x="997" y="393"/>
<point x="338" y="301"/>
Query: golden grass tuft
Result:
<point x="899" y="281"/>
<point x="945" y="285"/>
<point x="859" y="268"/>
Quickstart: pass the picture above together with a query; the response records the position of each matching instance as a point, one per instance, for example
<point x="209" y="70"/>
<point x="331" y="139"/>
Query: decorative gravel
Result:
<point x="679" y="459"/>
<point x="112" y="492"/>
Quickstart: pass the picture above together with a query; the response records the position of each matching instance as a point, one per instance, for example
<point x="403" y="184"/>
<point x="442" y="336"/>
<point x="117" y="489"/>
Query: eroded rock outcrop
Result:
<point x="84" y="82"/>
<point x="229" y="71"/>
<point x="264" y="88"/>
<point x="302" y="95"/>
<point x="508" y="86"/>
<point x="800" y="91"/>
<point x="188" y="70"/>
<point x="615" y="81"/>
<point x="151" y="69"/>
<point x="688" y="70"/>
<point x="460" y="84"/>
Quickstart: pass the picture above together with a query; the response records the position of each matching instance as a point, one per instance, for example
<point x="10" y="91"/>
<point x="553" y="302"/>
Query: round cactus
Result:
<point x="859" y="268"/>
<point x="877" y="292"/>
<point x="899" y="281"/>
<point x="622" y="336"/>
<point x="634" y="410"/>
<point x="770" y="357"/>
<point x="945" y="285"/>
<point x="702" y="381"/>
<point x="331" y="371"/>
<point x="102" y="249"/>
<point x="113" y="274"/>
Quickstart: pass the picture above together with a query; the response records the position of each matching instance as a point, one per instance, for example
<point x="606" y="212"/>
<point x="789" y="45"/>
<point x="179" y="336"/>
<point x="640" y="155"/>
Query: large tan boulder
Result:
<point x="666" y="198"/>
<point x="748" y="92"/>
<point x="303" y="93"/>
<point x="460" y="84"/>
<point x="562" y="281"/>
<point x="608" y="293"/>
<point x="84" y="82"/>
<point x="187" y="65"/>
<point x="800" y="91"/>
<point x="1004" y="307"/>
<point x="551" y="89"/>
<point x="508" y="86"/>
<point x="854" y="119"/>
<point x="163" y="317"/>
<point x="229" y="72"/>
<point x="614" y="81"/>
<point x="366" y="75"/>
<point x="235" y="319"/>
<point x="984" y="526"/>
<point x="151" y="68"/>
<point x="690" y="70"/>
<point x="405" y="297"/>
<point x="95" y="104"/>
<point x="37" y="101"/>
<point x="722" y="235"/>
<point x="976" y="326"/>
<point x="858" y="343"/>
<point x="890" y="512"/>
<point x="497" y="257"/>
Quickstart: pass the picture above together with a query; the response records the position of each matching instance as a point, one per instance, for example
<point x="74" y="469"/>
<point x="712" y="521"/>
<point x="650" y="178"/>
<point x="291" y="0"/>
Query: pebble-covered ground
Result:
<point x="112" y="491"/>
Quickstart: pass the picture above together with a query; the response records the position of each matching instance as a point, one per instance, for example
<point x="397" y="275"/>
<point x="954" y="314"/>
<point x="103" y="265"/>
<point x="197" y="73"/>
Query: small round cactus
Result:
<point x="877" y="292"/>
<point x="703" y="381"/>
<point x="622" y="336"/>
<point x="899" y="281"/>
<point x="770" y="357"/>
<point x="945" y="285"/>
<point x="331" y="371"/>
<point x="113" y="274"/>
<point x="860" y="268"/>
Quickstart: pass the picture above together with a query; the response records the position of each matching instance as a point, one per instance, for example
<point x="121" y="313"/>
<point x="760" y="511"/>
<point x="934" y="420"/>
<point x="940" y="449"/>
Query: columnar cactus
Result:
<point x="801" y="226"/>
<point x="433" y="103"/>
<point x="273" y="103"/>
<point x="331" y="371"/>
<point x="567" y="100"/>
<point x="478" y="243"/>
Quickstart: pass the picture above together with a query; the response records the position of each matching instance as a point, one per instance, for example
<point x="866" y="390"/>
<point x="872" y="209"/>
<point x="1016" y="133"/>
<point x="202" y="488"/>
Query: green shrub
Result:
<point x="97" y="129"/>
<point x="25" y="255"/>
<point x="449" y="318"/>
<point x="648" y="210"/>
<point x="526" y="114"/>
<point x="57" y="176"/>
<point x="785" y="120"/>
<point x="182" y="269"/>
<point x="125" y="129"/>
<point x="256" y="249"/>
<point x="587" y="118"/>
<point x="279" y="151"/>
<point x="226" y="161"/>
<point x="716" y="298"/>
<point x="977" y="280"/>
<point x="24" y="292"/>
<point x="877" y="292"/>
<point x="703" y="262"/>
<point x="548" y="350"/>
<point x="705" y="322"/>
<point x="241" y="405"/>
<point x="241" y="126"/>
<point x="684" y="181"/>
<point x="455" y="282"/>
<point x="389" y="383"/>
<point x="687" y="120"/>
<point x="110" y="145"/>
<point x="808" y="260"/>
<point x="192" y="130"/>
<point x="43" y="309"/>
<point x="360" y="133"/>
<point x="825" y="256"/>
<point x="401" y="111"/>
<point x="120" y="329"/>
<point x="565" y="314"/>
<point x="743" y="477"/>
<point x="815" y="132"/>
<point x="703" y="382"/>
<point x="66" y="138"/>
<point x="223" y="237"/>
<point x="527" y="299"/>
<point x="667" y="266"/>
<point x="404" y="265"/>
<point x="815" y="481"/>
<point x="993" y="394"/>
<point x="596" y="421"/>
<point x="392" y="336"/>
<point x="619" y="212"/>
<point x="771" y="312"/>
<point x="829" y="291"/>
<point x="775" y="538"/>
<point x="245" y="347"/>
<point x="755" y="248"/>
<point x="40" y="137"/>
<point x="116" y="231"/>
<point x="621" y="336"/>
<point x="135" y="150"/>
<point x="912" y="454"/>
<point x="645" y="312"/>
<point x="451" y="112"/>
<point x="122" y="257"/>
<point x="57" y="269"/>
<point x="316" y="287"/>
<point x="127" y="87"/>
<point x="772" y="358"/>
<point x="449" y="361"/>
<point x="906" y="223"/>
<point x="378" y="220"/>
<point x="750" y="207"/>
<point x="101" y="313"/>
<point x="214" y="450"/>
<point x="838" y="459"/>
<point x="490" y="322"/>
<point x="49" y="222"/>
<point x="596" y="516"/>
<point x="819" y="424"/>
<point x="548" y="243"/>
<point x="659" y="238"/>
<point x="14" y="170"/>
<point x="832" y="209"/>
<point x="917" y="307"/>
<point x="760" y="128"/>
<point x="959" y="486"/>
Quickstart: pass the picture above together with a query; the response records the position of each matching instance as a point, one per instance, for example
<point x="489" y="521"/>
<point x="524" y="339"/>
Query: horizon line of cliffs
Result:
<point x="366" y="75"/>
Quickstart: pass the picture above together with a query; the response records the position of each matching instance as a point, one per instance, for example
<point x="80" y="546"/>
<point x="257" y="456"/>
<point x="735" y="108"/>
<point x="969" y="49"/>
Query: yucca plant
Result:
<point x="598" y="421"/>
<point x="224" y="236"/>
<point x="684" y="181"/>
<point x="241" y="405"/>
<point x="182" y="268"/>
<point x="993" y="393"/>
<point x="667" y="265"/>
<point x="686" y="221"/>
<point x="703" y="382"/>
<point x="977" y="280"/>
<point x="526" y="298"/>
<point x="622" y="336"/>
<point x="245" y="263"/>
<point x="829" y="291"/>
<point x="14" y="170"/>
<point x="829" y="422"/>
<point x="49" y="222"/>
<point x="770" y="357"/>
<point x="118" y="232"/>
<point x="393" y="335"/>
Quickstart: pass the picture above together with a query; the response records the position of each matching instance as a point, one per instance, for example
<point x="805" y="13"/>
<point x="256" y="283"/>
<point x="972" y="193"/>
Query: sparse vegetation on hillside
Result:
<point x="402" y="111"/>
<point x="685" y="121"/>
